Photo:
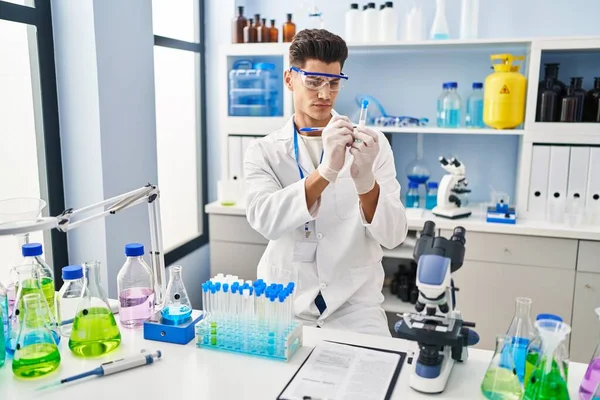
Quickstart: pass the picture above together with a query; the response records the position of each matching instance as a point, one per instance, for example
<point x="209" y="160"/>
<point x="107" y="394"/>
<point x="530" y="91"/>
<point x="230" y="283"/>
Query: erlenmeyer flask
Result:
<point x="30" y="280"/>
<point x="590" y="386"/>
<point x="36" y="352"/>
<point x="548" y="379"/>
<point x="500" y="381"/>
<point x="176" y="308"/>
<point x="521" y="330"/>
<point x="95" y="331"/>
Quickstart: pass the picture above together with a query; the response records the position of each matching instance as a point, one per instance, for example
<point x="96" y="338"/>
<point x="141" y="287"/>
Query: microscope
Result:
<point x="437" y="326"/>
<point x="453" y="185"/>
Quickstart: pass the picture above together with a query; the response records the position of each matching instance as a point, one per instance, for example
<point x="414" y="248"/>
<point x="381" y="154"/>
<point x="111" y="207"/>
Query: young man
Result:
<point x="327" y="200"/>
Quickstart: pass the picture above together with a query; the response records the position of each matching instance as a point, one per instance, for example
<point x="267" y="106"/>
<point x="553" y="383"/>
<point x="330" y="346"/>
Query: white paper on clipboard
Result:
<point x="337" y="371"/>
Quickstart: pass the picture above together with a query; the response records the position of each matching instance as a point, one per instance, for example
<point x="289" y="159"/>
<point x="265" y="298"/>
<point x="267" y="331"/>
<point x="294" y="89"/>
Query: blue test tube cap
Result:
<point x="235" y="285"/>
<point x="233" y="289"/>
<point x="282" y="296"/>
<point x="251" y="290"/>
<point x="218" y="286"/>
<point x="213" y="289"/>
<point x="365" y="103"/>
<point x="225" y="287"/>
<point x="552" y="317"/>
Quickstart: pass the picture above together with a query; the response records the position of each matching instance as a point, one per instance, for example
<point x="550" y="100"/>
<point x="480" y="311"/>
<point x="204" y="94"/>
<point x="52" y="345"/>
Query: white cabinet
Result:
<point x="586" y="327"/>
<point x="488" y="291"/>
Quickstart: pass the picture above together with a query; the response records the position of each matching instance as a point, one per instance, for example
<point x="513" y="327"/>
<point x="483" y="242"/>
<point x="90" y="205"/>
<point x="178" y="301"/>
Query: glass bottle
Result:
<point x="36" y="352"/>
<point x="412" y="196"/>
<point x="176" y="308"/>
<point x="474" y="112"/>
<point x="29" y="280"/>
<point x="273" y="33"/>
<point x="592" y="103"/>
<point x="95" y="331"/>
<point x="68" y="298"/>
<point x="4" y="321"/>
<point x="500" y="380"/>
<point x="32" y="252"/>
<point x="134" y="285"/>
<point x="535" y="348"/>
<point x="547" y="103"/>
<point x="547" y="382"/>
<point x="237" y="26"/>
<point x="591" y="379"/>
<point x="558" y="87"/>
<point x="440" y="105"/>
<point x="521" y="330"/>
<point x="263" y="34"/>
<point x="439" y="28"/>
<point x="580" y="94"/>
<point x="568" y="110"/>
<point x="451" y="107"/>
<point x="250" y="32"/>
<point x="289" y="29"/>
<point x="431" y="197"/>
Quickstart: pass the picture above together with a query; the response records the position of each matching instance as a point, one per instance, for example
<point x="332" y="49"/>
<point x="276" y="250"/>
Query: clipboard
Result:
<point x="392" y="383"/>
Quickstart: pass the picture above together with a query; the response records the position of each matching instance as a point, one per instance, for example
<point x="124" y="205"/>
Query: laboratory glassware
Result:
<point x="451" y="107"/>
<point x="4" y="321"/>
<point x="521" y="330"/>
<point x="315" y="17"/>
<point x="592" y="103"/>
<point x="551" y="74"/>
<point x="289" y="29"/>
<point x="388" y="23"/>
<point x="580" y="94"/>
<point x="504" y="93"/>
<point x="134" y="285"/>
<point x="439" y="29"/>
<point x="414" y="25"/>
<point x="36" y="352"/>
<point x="469" y="19"/>
<point x="262" y="32"/>
<point x="237" y="26"/>
<point x="440" y="105"/>
<point x="273" y="33"/>
<point x="474" y="112"/>
<point x="32" y="253"/>
<point x="591" y="379"/>
<point x="547" y="109"/>
<point x="68" y="298"/>
<point x="370" y="24"/>
<point x="412" y="196"/>
<point x="29" y="279"/>
<point x="353" y="24"/>
<point x="547" y="382"/>
<point x="416" y="170"/>
<point x="176" y="308"/>
<point x="431" y="196"/>
<point x="569" y="107"/>
<point x="534" y="349"/>
<point x="500" y="380"/>
<point x="95" y="331"/>
<point x="250" y="32"/>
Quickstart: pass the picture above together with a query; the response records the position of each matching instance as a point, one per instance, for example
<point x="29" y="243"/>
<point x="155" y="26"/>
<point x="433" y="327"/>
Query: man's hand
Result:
<point x="364" y="152"/>
<point x="337" y="136"/>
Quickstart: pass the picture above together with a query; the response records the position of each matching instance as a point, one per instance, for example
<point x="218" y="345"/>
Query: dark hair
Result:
<point x="317" y="44"/>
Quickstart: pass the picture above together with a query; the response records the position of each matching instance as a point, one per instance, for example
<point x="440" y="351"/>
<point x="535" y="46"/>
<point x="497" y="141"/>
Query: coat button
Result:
<point x="320" y="322"/>
<point x="319" y="235"/>
<point x="323" y="286"/>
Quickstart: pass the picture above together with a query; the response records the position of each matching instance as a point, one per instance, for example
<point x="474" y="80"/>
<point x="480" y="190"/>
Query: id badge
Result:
<point x="305" y="251"/>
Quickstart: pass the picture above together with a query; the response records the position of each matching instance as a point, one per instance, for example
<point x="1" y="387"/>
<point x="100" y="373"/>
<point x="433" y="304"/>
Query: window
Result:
<point x="180" y="126"/>
<point x="30" y="162"/>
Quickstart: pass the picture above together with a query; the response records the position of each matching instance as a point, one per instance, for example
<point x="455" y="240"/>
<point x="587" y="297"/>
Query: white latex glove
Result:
<point x="364" y="153"/>
<point x="337" y="136"/>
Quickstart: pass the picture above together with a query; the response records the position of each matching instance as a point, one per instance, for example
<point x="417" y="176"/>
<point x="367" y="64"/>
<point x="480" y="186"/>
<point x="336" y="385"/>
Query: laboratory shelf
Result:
<point x="393" y="304"/>
<point x="564" y="133"/>
<point x="254" y="126"/>
<point x="448" y="131"/>
<point x="448" y="45"/>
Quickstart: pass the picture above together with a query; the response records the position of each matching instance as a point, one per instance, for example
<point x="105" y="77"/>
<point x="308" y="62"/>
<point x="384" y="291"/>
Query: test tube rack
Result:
<point x="253" y="338"/>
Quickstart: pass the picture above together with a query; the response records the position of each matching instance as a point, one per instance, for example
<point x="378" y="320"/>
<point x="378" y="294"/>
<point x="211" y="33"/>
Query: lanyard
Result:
<point x="296" y="154"/>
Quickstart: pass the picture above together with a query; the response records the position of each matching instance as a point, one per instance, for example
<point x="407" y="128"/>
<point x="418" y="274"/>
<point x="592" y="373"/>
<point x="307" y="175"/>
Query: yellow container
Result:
<point x="504" y="94"/>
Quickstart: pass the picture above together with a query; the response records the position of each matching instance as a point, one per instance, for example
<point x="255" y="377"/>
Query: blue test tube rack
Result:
<point x="249" y="318"/>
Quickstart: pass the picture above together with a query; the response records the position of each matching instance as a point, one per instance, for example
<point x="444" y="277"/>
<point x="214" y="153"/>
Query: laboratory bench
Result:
<point x="187" y="371"/>
<point x="555" y="265"/>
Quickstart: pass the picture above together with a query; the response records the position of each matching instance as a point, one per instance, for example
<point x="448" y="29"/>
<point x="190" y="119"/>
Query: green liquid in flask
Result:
<point x="95" y="332"/>
<point x="546" y="386"/>
<point x="31" y="286"/>
<point x="531" y="362"/>
<point x="36" y="360"/>
<point x="501" y="384"/>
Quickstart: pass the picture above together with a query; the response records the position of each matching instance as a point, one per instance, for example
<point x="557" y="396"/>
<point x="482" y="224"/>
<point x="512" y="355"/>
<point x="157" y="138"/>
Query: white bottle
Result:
<point x="388" y="23"/>
<point x="370" y="21"/>
<point x="439" y="29"/>
<point x="414" y="24"/>
<point x="353" y="26"/>
<point x="469" y="19"/>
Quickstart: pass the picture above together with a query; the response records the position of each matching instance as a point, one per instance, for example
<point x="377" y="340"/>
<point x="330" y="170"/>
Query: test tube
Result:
<point x="362" y="120"/>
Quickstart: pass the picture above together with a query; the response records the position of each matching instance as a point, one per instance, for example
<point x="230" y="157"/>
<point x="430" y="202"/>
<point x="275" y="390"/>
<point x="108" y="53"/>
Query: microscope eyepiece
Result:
<point x="429" y="228"/>
<point x="459" y="235"/>
<point x="443" y="160"/>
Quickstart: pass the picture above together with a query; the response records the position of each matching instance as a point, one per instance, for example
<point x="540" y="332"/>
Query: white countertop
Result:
<point x="474" y="223"/>
<point x="189" y="372"/>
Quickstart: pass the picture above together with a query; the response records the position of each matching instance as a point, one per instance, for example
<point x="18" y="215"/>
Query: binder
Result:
<point x="538" y="183"/>
<point x="235" y="157"/>
<point x="558" y="176"/>
<point x="593" y="183"/>
<point x="578" y="174"/>
<point x="246" y="142"/>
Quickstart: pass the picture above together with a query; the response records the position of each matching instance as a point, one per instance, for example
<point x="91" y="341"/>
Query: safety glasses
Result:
<point x="318" y="80"/>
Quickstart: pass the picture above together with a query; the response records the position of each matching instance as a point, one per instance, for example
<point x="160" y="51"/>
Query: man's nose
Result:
<point x="325" y="92"/>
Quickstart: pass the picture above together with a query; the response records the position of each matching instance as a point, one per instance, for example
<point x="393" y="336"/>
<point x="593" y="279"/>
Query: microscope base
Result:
<point x="451" y="213"/>
<point x="431" y="385"/>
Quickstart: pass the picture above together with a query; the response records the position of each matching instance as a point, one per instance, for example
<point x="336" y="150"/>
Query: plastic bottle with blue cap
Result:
<point x="135" y="288"/>
<point x="68" y="298"/>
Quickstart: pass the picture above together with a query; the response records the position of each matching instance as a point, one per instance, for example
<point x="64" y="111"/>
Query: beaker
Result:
<point x="548" y="379"/>
<point x="501" y="381"/>
<point x="36" y="352"/>
<point x="176" y="307"/>
<point x="30" y="279"/>
<point x="95" y="331"/>
<point x="590" y="384"/>
<point x="521" y="330"/>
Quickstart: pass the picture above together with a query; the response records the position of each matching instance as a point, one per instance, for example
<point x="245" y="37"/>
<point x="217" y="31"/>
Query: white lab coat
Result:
<point x="347" y="266"/>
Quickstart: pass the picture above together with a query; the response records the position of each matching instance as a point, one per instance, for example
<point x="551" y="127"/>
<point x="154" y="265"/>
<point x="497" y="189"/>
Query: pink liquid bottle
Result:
<point x="134" y="284"/>
<point x="589" y="389"/>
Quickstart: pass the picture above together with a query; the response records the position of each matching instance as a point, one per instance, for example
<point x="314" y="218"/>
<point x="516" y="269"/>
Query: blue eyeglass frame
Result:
<point x="306" y="73"/>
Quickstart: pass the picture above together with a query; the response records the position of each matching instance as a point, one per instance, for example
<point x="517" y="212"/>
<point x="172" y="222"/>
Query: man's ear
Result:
<point x="287" y="78"/>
